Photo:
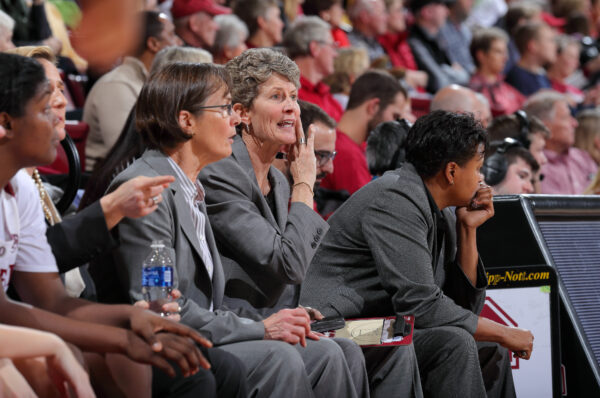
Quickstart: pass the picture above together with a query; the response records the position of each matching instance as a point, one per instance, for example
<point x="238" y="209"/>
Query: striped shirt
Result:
<point x="194" y="196"/>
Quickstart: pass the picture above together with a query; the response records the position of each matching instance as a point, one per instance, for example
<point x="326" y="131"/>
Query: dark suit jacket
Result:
<point x="377" y="259"/>
<point x="265" y="255"/>
<point x="78" y="238"/>
<point x="118" y="277"/>
<point x="433" y="60"/>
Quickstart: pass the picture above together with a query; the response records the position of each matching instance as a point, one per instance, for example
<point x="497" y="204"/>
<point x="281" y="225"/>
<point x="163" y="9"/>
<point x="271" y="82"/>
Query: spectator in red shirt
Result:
<point x="567" y="62"/>
<point x="309" y="43"/>
<point x="332" y="12"/>
<point x="394" y="42"/>
<point x="490" y="53"/>
<point x="376" y="97"/>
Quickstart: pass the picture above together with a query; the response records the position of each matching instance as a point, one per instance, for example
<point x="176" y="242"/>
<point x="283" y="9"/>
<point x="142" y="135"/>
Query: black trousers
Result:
<point x="226" y="378"/>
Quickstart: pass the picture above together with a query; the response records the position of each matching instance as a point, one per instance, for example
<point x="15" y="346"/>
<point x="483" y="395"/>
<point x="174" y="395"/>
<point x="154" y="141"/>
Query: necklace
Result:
<point x="50" y="212"/>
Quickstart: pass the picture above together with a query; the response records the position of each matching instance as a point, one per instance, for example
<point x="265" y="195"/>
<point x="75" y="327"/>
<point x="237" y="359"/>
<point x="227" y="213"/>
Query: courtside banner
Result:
<point x="527" y="297"/>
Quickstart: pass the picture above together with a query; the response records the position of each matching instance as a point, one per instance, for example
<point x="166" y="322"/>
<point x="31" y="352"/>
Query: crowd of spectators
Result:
<point x="278" y="120"/>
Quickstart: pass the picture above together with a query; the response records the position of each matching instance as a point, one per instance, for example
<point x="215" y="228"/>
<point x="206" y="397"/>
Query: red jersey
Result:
<point x="320" y="95"/>
<point x="350" y="170"/>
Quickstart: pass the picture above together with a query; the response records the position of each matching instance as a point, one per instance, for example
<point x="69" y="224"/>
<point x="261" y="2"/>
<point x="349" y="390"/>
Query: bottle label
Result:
<point x="157" y="276"/>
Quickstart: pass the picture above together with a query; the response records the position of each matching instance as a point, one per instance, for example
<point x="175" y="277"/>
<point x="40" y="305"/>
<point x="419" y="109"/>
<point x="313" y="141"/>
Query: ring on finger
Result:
<point x="302" y="141"/>
<point x="155" y="199"/>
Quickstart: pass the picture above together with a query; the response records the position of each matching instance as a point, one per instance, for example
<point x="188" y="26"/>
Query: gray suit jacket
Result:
<point x="377" y="259"/>
<point x="118" y="277"/>
<point x="265" y="255"/>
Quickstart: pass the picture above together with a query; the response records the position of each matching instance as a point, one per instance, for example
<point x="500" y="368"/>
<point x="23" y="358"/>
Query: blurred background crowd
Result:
<point x="539" y="56"/>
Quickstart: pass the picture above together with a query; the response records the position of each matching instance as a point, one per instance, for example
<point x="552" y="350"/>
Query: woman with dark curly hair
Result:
<point x="405" y="244"/>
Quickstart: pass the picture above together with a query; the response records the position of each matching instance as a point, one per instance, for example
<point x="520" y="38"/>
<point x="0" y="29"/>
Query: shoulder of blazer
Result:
<point x="151" y="164"/>
<point x="236" y="169"/>
<point x="410" y="185"/>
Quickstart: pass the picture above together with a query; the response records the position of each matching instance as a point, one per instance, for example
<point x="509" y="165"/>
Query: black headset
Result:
<point x="495" y="166"/>
<point x="524" y="128"/>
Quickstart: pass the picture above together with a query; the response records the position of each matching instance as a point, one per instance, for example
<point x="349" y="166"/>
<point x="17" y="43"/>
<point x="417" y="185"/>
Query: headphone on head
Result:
<point x="524" y="128"/>
<point x="495" y="166"/>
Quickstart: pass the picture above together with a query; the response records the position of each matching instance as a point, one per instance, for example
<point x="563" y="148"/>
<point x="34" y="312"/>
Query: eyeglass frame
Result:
<point x="333" y="44"/>
<point x="323" y="157"/>
<point x="226" y="109"/>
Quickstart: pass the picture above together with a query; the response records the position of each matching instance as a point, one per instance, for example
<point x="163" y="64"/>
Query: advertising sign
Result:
<point x="522" y="297"/>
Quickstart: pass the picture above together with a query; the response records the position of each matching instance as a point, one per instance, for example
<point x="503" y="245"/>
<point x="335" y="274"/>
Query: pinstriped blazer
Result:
<point x="118" y="276"/>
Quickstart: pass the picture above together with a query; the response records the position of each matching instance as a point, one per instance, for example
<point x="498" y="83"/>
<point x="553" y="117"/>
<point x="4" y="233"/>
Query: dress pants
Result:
<point x="442" y="362"/>
<point x="356" y="364"/>
<point x="278" y="369"/>
<point x="225" y="379"/>
<point x="452" y="365"/>
<point x="393" y="372"/>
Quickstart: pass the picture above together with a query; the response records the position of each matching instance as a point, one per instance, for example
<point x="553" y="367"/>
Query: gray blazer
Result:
<point x="265" y="255"/>
<point x="377" y="259"/>
<point x="118" y="276"/>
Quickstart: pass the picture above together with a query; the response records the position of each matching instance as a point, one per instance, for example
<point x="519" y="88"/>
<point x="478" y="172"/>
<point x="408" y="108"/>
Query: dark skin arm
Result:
<point x="481" y="208"/>
<point x="46" y="290"/>
<point x="88" y="336"/>
<point x="468" y="219"/>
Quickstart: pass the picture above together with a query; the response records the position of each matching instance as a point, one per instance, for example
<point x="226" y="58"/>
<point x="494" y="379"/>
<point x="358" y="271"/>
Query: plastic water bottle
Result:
<point x="157" y="277"/>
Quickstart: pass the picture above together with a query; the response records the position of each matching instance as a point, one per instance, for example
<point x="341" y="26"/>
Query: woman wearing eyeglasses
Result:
<point x="266" y="248"/>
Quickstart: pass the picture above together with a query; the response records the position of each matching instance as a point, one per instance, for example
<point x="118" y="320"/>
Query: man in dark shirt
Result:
<point x="430" y="16"/>
<point x="535" y="41"/>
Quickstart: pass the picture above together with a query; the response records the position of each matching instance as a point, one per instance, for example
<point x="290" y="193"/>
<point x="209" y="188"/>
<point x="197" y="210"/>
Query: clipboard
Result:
<point x="377" y="332"/>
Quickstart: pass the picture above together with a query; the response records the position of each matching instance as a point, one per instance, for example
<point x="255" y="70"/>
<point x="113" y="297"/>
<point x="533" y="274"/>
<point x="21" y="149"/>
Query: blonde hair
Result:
<point x="594" y="187"/>
<point x="35" y="52"/>
<point x="353" y="61"/>
<point x="587" y="131"/>
<point x="348" y="65"/>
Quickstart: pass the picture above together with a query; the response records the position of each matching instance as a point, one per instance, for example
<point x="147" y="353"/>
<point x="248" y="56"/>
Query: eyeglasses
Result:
<point x="323" y="157"/>
<point x="333" y="45"/>
<point x="225" y="110"/>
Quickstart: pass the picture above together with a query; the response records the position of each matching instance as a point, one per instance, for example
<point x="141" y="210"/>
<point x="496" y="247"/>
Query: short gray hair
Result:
<point x="360" y="6"/>
<point x="171" y="55"/>
<point x="231" y="33"/>
<point x="254" y="67"/>
<point x="303" y="31"/>
<point x="6" y="21"/>
<point x="249" y="11"/>
<point x="541" y="105"/>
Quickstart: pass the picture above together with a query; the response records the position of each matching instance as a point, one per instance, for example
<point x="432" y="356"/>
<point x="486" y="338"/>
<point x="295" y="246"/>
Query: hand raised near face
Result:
<point x="479" y="210"/>
<point x="303" y="163"/>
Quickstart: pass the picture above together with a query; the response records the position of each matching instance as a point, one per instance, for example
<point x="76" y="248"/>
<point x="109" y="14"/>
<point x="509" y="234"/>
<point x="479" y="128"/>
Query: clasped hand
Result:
<point x="168" y="339"/>
<point x="479" y="210"/>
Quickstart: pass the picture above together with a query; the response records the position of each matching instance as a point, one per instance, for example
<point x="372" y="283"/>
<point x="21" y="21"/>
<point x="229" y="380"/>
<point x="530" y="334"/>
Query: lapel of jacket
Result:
<point x="218" y="279"/>
<point x="158" y="161"/>
<point x="240" y="154"/>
